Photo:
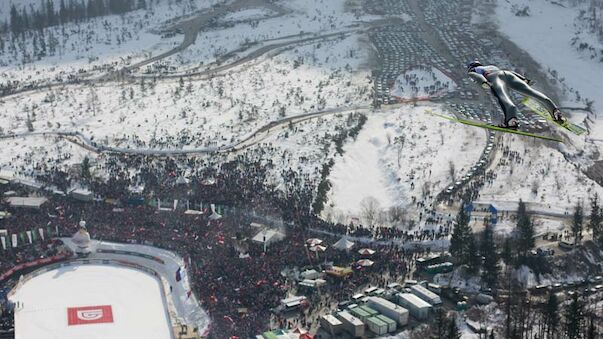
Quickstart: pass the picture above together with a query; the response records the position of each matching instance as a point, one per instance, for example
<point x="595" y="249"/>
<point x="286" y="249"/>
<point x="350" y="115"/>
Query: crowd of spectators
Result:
<point x="238" y="283"/>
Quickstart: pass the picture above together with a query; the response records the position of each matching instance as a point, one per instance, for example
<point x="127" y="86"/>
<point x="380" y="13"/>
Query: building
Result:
<point x="351" y="324"/>
<point x="81" y="194"/>
<point x="426" y="295"/>
<point x="389" y="309"/>
<point x="331" y="324"/>
<point x="26" y="202"/>
<point x="417" y="307"/>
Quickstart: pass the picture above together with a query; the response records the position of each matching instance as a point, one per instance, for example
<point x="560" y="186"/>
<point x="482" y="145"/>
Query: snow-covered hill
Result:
<point x="552" y="33"/>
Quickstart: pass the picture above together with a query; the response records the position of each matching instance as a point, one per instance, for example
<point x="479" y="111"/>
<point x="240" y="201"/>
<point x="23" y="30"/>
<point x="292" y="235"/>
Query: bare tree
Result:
<point x="451" y="170"/>
<point x="535" y="186"/>
<point x="396" y="214"/>
<point x="369" y="207"/>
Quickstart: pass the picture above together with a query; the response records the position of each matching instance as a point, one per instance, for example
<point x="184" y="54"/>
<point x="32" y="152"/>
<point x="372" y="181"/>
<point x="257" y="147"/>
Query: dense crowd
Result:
<point x="234" y="279"/>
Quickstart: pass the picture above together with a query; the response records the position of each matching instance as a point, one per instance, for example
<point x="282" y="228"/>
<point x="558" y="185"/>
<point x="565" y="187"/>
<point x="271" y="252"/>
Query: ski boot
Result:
<point x="558" y="116"/>
<point x="512" y="123"/>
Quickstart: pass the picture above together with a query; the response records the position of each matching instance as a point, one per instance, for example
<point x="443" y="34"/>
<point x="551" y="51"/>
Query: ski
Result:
<point x="535" y="107"/>
<point x="494" y="128"/>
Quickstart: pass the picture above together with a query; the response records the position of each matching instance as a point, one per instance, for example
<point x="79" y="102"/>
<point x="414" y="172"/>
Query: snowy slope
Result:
<point x="540" y="175"/>
<point x="301" y="17"/>
<point x="369" y="166"/>
<point x="551" y="29"/>
<point x="93" y="46"/>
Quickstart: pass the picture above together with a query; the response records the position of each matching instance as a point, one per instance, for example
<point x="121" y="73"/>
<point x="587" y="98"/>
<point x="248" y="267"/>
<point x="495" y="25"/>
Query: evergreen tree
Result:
<point x="63" y="12"/>
<point x="474" y="260"/>
<point x="551" y="314"/>
<point x="459" y="242"/>
<point x="453" y="330"/>
<point x="16" y="25"/>
<point x="577" y="224"/>
<point x="507" y="251"/>
<point x="525" y="231"/>
<point x="591" y="332"/>
<point x="24" y="20"/>
<point x="440" y="325"/>
<point x="51" y="19"/>
<point x="574" y="317"/>
<point x="595" y="217"/>
<point x="491" y="268"/>
<point x="86" y="168"/>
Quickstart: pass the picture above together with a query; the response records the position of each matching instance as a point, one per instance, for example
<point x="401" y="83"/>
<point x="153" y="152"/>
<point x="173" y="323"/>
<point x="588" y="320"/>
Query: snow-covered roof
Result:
<point x="268" y="236"/>
<point x="28" y="202"/>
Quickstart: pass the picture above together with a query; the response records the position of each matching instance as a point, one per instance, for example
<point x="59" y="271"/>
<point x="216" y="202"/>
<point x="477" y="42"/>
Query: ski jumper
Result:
<point x="500" y="81"/>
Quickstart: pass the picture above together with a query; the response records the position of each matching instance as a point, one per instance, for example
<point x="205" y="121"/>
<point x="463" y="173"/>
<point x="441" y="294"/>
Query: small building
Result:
<point x="351" y="324"/>
<point x="417" y="307"/>
<point x="81" y="194"/>
<point x="293" y="303"/>
<point x="331" y="324"/>
<point x="371" y="311"/>
<point x="26" y="202"/>
<point x="426" y="295"/>
<point x="310" y="274"/>
<point x="361" y="314"/>
<point x="377" y="326"/>
<point x="391" y="324"/>
<point x="339" y="272"/>
<point x="389" y="309"/>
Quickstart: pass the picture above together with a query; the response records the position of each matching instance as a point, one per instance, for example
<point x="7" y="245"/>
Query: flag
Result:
<point x="56" y="230"/>
<point x="34" y="235"/>
<point x="29" y="236"/>
<point x="41" y="230"/>
<point x="49" y="231"/>
<point x="178" y="276"/>
<point x="3" y="242"/>
<point x="22" y="236"/>
<point x="14" y="236"/>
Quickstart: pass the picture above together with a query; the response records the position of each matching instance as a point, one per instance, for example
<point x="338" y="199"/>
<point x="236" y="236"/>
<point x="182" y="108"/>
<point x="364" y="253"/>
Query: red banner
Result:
<point x="34" y="263"/>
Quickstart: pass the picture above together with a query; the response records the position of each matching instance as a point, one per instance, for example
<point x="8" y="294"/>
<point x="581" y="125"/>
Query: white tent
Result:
<point x="268" y="236"/>
<point x="344" y="244"/>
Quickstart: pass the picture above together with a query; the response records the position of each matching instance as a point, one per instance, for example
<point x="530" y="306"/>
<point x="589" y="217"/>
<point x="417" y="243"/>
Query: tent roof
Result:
<point x="343" y="244"/>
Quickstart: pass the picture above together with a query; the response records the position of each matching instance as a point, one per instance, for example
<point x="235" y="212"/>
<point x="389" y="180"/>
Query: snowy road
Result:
<point x="252" y="139"/>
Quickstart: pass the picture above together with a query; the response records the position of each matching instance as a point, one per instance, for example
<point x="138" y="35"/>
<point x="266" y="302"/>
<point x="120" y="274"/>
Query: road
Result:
<point x="260" y="134"/>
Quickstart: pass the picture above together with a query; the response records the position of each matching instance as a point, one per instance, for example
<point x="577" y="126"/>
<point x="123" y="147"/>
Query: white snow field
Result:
<point x="426" y="146"/>
<point x="542" y="176"/>
<point x="552" y="26"/>
<point x="136" y="301"/>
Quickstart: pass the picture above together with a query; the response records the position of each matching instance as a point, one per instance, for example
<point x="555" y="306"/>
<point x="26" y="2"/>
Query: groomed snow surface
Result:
<point x="135" y="298"/>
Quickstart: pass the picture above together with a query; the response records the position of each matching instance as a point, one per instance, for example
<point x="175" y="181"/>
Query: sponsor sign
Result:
<point x="89" y="315"/>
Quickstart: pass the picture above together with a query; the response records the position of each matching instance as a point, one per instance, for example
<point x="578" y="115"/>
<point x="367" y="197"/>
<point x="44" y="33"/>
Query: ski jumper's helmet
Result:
<point x="473" y="64"/>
